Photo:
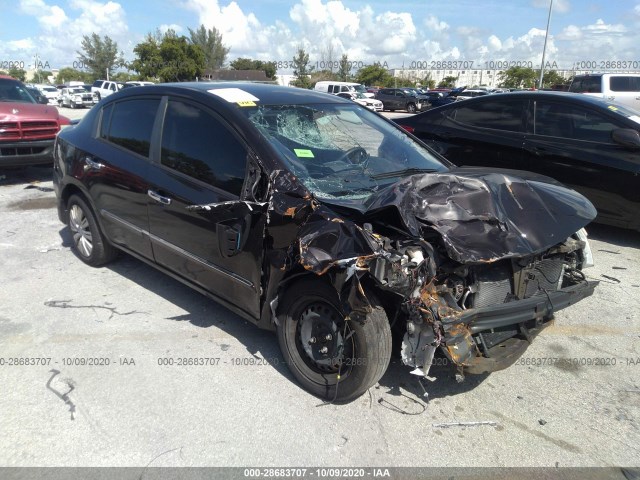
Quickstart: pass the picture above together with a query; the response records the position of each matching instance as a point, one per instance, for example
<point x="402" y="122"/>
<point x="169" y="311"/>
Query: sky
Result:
<point x="407" y="33"/>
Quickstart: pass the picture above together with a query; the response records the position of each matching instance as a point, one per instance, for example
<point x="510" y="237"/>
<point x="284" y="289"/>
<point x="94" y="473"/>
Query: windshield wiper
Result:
<point x="401" y="173"/>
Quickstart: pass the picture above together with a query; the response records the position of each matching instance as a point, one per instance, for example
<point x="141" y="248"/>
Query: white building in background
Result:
<point x="33" y="77"/>
<point x="469" y="78"/>
<point x="285" y="79"/>
<point x="473" y="77"/>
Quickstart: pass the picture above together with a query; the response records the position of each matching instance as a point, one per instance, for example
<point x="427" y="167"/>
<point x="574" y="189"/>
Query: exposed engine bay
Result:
<point x="479" y="281"/>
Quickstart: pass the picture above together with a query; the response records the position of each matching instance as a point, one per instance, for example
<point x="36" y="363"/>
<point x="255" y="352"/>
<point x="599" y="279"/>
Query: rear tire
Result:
<point x="358" y="354"/>
<point x="88" y="241"/>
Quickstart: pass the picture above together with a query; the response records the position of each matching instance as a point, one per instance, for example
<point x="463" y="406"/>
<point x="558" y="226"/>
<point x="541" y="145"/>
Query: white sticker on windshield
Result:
<point x="234" y="95"/>
<point x="635" y="118"/>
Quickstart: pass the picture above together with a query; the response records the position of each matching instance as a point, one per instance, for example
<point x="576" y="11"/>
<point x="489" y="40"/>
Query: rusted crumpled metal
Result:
<point x="484" y="217"/>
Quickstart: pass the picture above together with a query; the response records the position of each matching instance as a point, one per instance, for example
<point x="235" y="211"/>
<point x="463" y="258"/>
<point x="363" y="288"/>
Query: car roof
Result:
<point x="617" y="74"/>
<point x="267" y="94"/>
<point x="548" y="95"/>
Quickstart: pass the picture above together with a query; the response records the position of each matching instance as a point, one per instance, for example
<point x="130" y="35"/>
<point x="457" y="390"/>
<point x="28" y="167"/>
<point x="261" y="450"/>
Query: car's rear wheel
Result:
<point x="333" y="358"/>
<point x="88" y="241"/>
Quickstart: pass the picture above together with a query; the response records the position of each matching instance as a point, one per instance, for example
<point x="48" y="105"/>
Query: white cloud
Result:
<point x="61" y="31"/>
<point x="322" y="26"/>
<point x="436" y="26"/>
<point x="240" y="30"/>
<point x="362" y="34"/>
<point x="559" y="6"/>
<point x="176" y="28"/>
<point x="49" y="17"/>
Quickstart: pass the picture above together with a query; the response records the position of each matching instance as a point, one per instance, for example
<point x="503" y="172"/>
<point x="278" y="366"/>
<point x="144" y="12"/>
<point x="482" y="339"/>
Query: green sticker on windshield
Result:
<point x="302" y="153"/>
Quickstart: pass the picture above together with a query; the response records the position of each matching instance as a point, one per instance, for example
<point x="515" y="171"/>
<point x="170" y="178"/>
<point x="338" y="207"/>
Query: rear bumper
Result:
<point x="17" y="154"/>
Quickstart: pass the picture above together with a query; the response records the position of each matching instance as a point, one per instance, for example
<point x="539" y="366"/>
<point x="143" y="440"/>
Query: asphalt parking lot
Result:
<point x="572" y="400"/>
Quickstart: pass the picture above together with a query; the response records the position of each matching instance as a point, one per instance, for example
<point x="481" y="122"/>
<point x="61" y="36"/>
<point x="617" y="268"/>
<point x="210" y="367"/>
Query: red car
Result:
<point x="27" y="128"/>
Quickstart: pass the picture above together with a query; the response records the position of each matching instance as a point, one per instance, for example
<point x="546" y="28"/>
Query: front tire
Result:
<point x="411" y="108"/>
<point x="88" y="241"/>
<point x="333" y="358"/>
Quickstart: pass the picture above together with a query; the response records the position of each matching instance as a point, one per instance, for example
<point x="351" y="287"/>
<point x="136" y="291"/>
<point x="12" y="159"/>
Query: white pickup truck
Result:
<point x="104" y="88"/>
<point x="615" y="87"/>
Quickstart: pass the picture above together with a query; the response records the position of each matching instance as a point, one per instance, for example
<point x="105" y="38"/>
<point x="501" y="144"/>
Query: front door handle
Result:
<point x="537" y="151"/>
<point x="159" y="198"/>
<point x="90" y="163"/>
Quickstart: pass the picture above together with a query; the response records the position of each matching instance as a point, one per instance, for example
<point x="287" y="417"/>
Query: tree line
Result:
<point x="169" y="57"/>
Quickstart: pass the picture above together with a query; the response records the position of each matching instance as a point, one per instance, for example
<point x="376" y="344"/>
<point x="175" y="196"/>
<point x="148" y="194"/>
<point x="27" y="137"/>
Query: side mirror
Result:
<point x="43" y="100"/>
<point x="627" y="137"/>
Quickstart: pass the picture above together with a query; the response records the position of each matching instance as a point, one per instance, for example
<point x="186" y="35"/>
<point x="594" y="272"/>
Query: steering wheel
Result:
<point x="356" y="156"/>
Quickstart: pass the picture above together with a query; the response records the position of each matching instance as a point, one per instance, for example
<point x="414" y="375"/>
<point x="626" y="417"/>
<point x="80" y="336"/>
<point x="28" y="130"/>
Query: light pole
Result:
<point x="35" y="66"/>
<point x="544" y="49"/>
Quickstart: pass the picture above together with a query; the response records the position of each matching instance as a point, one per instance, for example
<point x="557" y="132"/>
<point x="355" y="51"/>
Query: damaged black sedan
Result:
<point x="313" y="216"/>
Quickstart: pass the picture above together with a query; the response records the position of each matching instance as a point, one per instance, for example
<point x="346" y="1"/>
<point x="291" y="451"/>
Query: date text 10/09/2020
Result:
<point x="457" y="65"/>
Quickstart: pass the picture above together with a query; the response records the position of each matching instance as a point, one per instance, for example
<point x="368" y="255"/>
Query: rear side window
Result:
<point x="131" y="124"/>
<point x="504" y="115"/>
<point x="105" y="121"/>
<point x="567" y="121"/>
<point x="586" y="85"/>
<point x="624" y="84"/>
<point x="197" y="144"/>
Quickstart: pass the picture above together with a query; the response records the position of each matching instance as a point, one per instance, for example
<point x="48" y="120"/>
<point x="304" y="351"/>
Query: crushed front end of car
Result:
<point x="371" y="241"/>
<point x="469" y="263"/>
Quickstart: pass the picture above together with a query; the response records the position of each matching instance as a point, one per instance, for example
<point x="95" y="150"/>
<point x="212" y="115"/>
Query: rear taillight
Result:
<point x="408" y="128"/>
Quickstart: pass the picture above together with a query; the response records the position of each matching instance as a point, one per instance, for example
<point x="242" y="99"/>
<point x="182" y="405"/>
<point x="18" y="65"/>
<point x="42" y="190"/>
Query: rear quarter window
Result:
<point x="131" y="124"/>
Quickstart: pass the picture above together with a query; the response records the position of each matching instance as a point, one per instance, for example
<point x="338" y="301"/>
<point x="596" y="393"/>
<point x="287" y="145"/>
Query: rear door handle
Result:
<point x="159" y="198"/>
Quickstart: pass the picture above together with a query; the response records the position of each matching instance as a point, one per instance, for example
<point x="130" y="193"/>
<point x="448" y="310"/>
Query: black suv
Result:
<point x="401" y="99"/>
<point x="310" y="215"/>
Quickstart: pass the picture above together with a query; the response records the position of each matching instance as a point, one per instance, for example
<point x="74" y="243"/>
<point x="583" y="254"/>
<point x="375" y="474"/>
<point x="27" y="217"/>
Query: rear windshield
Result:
<point x="625" y="111"/>
<point x="586" y="85"/>
<point x="13" y="91"/>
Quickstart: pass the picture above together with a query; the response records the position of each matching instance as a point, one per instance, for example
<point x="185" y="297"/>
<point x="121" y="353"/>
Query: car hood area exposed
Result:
<point x="479" y="216"/>
<point x="483" y="217"/>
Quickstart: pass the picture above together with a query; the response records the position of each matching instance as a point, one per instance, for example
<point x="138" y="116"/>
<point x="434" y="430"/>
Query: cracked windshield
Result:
<point x="341" y="151"/>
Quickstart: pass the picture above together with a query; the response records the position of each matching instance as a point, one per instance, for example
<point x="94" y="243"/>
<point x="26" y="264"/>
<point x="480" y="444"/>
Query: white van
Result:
<point x="615" y="87"/>
<point x="339" y="87"/>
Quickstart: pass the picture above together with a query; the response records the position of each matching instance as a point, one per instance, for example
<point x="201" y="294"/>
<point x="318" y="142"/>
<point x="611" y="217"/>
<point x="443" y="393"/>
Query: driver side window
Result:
<point x="197" y="144"/>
